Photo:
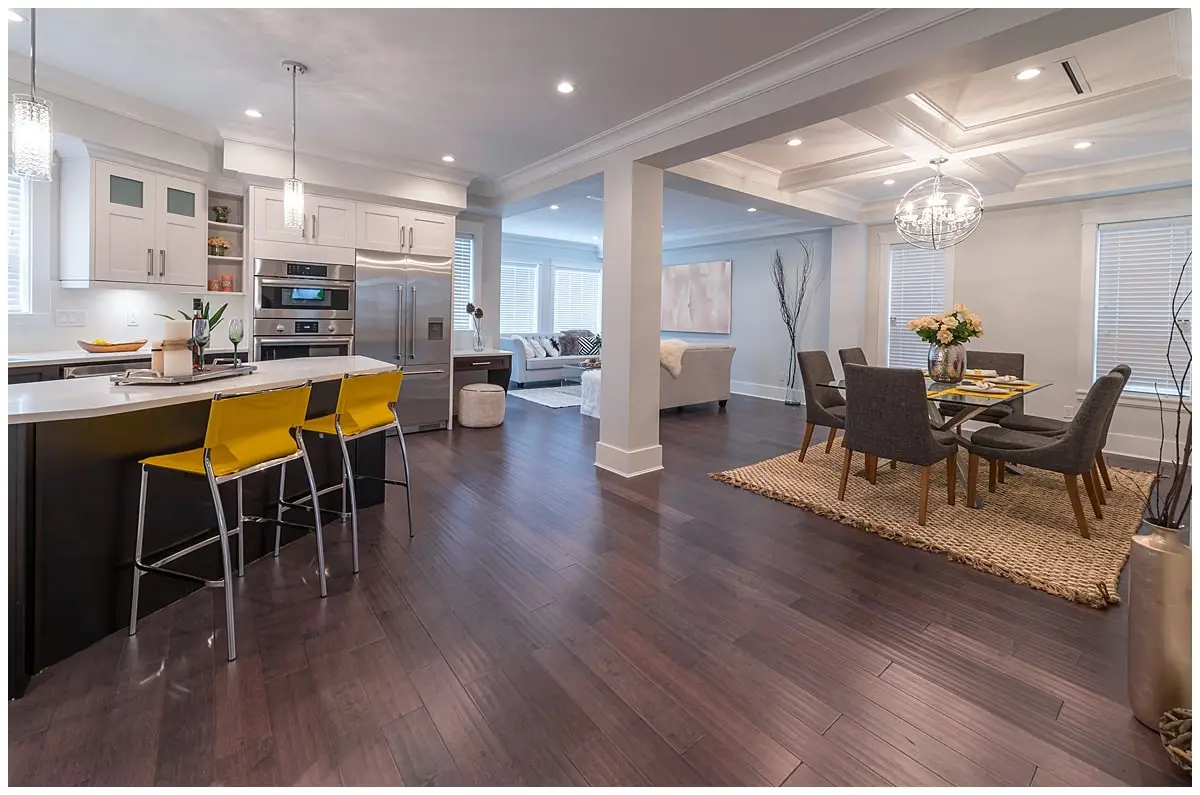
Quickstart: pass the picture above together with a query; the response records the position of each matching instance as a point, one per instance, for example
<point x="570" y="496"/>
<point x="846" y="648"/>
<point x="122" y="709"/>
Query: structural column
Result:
<point x="633" y="203"/>
<point x="848" y="257"/>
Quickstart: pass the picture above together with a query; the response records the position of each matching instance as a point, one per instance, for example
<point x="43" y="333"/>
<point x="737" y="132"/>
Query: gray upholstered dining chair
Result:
<point x="1072" y="454"/>
<point x="851" y="356"/>
<point x="823" y="405"/>
<point x="886" y="416"/>
<point x="1003" y="364"/>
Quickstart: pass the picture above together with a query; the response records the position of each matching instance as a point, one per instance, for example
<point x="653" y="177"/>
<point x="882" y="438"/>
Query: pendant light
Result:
<point x="939" y="212"/>
<point x="32" y="133"/>
<point x="293" y="189"/>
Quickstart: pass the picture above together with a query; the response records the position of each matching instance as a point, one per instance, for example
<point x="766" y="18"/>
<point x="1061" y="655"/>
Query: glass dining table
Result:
<point x="950" y="405"/>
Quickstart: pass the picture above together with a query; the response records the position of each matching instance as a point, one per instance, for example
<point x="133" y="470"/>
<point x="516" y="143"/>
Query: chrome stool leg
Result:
<point x="137" y="554"/>
<point x="407" y="477"/>
<point x="279" y="507"/>
<point x="241" y="532"/>
<point x="312" y="485"/>
<point x="227" y="583"/>
<point x="348" y="478"/>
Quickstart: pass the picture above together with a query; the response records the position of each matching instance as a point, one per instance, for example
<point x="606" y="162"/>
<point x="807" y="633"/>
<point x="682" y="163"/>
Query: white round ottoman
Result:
<point x="481" y="405"/>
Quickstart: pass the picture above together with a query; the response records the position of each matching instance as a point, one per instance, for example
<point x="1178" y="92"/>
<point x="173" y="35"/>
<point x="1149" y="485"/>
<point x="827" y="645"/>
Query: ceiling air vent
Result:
<point x="1075" y="76"/>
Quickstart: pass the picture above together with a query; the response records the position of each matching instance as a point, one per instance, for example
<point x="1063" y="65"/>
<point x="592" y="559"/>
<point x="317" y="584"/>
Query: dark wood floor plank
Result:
<point x="896" y="766"/>
<point x="603" y="765"/>
<point x="805" y="776"/>
<point x="385" y="681"/>
<point x="301" y="746"/>
<point x="410" y="642"/>
<point x="420" y="753"/>
<point x="370" y="764"/>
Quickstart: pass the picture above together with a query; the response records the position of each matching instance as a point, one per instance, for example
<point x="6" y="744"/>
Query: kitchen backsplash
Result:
<point x="107" y="314"/>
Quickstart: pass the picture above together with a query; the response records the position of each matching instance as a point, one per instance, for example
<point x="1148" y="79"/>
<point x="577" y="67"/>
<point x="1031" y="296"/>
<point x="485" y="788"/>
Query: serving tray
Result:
<point x="210" y="373"/>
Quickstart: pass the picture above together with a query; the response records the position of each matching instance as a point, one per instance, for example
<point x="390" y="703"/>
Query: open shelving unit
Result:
<point x="232" y="264"/>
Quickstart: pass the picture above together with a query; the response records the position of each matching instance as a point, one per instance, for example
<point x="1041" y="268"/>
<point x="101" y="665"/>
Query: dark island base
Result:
<point x="73" y="499"/>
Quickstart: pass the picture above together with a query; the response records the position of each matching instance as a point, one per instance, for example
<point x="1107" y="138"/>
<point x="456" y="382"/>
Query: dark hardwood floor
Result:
<point x="555" y="625"/>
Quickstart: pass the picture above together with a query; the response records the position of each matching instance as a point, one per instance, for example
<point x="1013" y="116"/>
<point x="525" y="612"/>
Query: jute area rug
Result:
<point x="1025" y="532"/>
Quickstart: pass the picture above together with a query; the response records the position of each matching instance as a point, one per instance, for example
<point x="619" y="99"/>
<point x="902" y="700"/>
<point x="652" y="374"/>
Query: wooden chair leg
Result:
<point x="924" y="496"/>
<point x="1096" y="479"/>
<point x="808" y="431"/>
<point x="1091" y="486"/>
<point x="972" y="477"/>
<point x="893" y="464"/>
<point x="872" y="468"/>
<point x="1076" y="505"/>
<point x="1103" y="467"/>
<point x="951" y="477"/>
<point x="845" y="473"/>
<point x="1000" y="471"/>
<point x="832" y="436"/>
<point x="992" y="476"/>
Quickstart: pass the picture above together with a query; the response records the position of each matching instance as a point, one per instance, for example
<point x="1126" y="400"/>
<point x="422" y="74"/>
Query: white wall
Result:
<point x="1028" y="273"/>
<point x="757" y="329"/>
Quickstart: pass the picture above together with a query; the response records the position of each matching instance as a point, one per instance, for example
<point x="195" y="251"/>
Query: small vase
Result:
<point x="477" y="341"/>
<point x="793" y="396"/>
<point x="1160" y="623"/>
<point x="947" y="363"/>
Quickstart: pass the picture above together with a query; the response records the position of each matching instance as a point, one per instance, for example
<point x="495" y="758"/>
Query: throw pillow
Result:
<point x="589" y="346"/>
<point x="530" y="351"/>
<point x="540" y="344"/>
<point x="568" y="341"/>
<point x="552" y="345"/>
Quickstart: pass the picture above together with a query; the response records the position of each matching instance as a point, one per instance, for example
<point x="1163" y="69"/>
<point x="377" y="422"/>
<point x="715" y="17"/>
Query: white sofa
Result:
<point x="704" y="377"/>
<point x="529" y="371"/>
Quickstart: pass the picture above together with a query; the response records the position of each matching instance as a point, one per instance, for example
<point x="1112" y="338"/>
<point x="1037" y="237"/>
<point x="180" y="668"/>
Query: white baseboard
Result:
<point x="767" y="391"/>
<point x="629" y="463"/>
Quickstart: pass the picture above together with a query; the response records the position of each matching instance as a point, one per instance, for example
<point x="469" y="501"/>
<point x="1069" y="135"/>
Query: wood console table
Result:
<point x="498" y="364"/>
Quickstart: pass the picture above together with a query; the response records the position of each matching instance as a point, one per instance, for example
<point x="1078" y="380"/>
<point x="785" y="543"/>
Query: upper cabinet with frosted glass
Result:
<point x="122" y="224"/>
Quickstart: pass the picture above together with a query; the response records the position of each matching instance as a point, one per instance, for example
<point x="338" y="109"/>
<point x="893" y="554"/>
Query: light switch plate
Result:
<point x="131" y="319"/>
<point x="70" y="317"/>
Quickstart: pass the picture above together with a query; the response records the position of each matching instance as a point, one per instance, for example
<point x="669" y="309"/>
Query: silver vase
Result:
<point x="947" y="362"/>
<point x="1160" y="624"/>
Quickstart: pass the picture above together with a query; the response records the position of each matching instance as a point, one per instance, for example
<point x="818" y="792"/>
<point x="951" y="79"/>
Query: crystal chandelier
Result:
<point x="32" y="133"/>
<point x="293" y="189"/>
<point x="939" y="212"/>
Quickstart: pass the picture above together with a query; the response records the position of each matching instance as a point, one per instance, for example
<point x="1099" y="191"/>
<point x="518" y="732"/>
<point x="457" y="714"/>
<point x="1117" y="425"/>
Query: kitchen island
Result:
<point x="74" y="477"/>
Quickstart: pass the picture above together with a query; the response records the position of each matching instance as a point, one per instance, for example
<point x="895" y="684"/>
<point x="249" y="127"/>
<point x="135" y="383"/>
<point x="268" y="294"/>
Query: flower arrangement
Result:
<point x="949" y="328"/>
<point x="476" y="315"/>
<point x="218" y="245"/>
<point x="221" y="214"/>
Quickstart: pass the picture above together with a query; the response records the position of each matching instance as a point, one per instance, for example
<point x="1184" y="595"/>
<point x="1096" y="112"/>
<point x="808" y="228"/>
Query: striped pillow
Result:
<point x="589" y="346"/>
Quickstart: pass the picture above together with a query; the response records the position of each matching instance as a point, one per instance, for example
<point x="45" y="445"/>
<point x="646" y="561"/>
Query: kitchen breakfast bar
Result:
<point x="74" y="479"/>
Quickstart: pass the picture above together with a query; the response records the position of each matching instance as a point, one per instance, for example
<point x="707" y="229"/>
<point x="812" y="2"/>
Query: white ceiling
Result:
<point x="997" y="131"/>
<point x="418" y="84"/>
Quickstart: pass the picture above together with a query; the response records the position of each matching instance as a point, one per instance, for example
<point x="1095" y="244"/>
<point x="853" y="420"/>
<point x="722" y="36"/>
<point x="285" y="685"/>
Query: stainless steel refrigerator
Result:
<point x="403" y="314"/>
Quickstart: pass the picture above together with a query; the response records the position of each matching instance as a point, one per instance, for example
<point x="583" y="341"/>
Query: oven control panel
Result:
<point x="308" y="269"/>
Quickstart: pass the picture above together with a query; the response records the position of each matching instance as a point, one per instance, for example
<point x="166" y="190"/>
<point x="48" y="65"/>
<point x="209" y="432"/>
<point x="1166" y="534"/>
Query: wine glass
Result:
<point x="237" y="333"/>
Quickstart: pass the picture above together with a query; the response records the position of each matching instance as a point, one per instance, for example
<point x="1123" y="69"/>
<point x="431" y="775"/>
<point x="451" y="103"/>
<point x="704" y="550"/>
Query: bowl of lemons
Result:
<point x="104" y="346"/>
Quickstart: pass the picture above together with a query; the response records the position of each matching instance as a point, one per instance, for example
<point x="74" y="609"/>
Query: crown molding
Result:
<point x="711" y="178"/>
<point x="879" y="162"/>
<point x="739" y="233"/>
<point x="551" y="242"/>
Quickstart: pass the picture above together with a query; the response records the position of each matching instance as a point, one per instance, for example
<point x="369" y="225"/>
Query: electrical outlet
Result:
<point x="70" y="317"/>
<point x="131" y="319"/>
<point x="1068" y="412"/>
<point x="782" y="377"/>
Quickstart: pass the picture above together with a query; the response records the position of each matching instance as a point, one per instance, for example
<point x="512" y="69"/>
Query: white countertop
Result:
<point x="79" y="398"/>
<point x="484" y="352"/>
<point x="78" y="356"/>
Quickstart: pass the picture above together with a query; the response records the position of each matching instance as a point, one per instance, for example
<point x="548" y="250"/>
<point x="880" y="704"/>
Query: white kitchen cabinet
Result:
<point x="267" y="217"/>
<point x="405" y="231"/>
<point x="127" y="225"/>
<point x="331" y="221"/>
<point x="431" y="234"/>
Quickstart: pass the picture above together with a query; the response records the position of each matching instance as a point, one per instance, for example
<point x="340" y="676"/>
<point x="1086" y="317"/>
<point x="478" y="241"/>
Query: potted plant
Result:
<point x="218" y="246"/>
<point x="221" y="214"/>
<point x="946" y="334"/>
<point x="476" y="315"/>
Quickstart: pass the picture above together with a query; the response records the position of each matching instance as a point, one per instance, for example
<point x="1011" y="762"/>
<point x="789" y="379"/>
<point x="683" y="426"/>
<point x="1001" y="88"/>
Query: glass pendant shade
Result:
<point x="939" y="212"/>
<point x="293" y="203"/>
<point x="32" y="137"/>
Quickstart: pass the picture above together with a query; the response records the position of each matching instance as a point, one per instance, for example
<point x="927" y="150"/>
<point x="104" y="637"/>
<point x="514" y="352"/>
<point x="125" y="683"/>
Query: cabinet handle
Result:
<point x="412" y="236"/>
<point x="162" y="262"/>
<point x="314" y="226"/>
<point x="481" y="364"/>
<point x="149" y="262"/>
<point x="402" y="230"/>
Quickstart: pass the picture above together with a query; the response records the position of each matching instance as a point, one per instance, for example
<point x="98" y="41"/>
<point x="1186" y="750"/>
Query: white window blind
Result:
<point x="576" y="299"/>
<point x="916" y="287"/>
<point x="18" y="244"/>
<point x="464" y="280"/>
<point x="518" y="298"/>
<point x="1137" y="267"/>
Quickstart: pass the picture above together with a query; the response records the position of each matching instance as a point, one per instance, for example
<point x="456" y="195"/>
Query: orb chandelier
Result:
<point x="939" y="212"/>
<point x="32" y="129"/>
<point x="293" y="189"/>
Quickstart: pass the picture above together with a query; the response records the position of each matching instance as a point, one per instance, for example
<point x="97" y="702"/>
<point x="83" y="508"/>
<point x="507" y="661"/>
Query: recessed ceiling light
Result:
<point x="1083" y="145"/>
<point x="751" y="209"/>
<point x="553" y="206"/>
<point x="448" y="158"/>
<point x="1029" y="74"/>
<point x="889" y="182"/>
<point x="13" y="16"/>
<point x="566" y="87"/>
<point x="254" y="114"/>
<point x="795" y="142"/>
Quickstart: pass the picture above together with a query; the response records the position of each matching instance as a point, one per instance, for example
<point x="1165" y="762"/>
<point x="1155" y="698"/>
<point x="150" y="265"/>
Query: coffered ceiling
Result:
<point x="1128" y="109"/>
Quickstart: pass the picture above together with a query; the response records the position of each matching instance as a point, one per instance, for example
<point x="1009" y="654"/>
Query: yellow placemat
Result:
<point x="1010" y="392"/>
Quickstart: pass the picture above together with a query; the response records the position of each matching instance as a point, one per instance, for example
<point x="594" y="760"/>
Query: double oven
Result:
<point x="302" y="309"/>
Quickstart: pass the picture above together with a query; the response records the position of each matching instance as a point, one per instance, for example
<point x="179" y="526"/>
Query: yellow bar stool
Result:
<point x="248" y="432"/>
<point x="366" y="405"/>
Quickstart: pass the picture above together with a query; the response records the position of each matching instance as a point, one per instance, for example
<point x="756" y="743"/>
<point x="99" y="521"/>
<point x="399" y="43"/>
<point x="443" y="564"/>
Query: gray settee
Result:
<point x="530" y="371"/>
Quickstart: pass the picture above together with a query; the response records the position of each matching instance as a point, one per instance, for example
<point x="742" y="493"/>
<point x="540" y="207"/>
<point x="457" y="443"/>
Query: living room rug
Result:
<point x="1025" y="532"/>
<point x="555" y="397"/>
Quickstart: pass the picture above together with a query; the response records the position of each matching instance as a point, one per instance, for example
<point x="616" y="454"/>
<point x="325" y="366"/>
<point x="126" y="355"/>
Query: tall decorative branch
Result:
<point x="1170" y="495"/>
<point x="791" y="293"/>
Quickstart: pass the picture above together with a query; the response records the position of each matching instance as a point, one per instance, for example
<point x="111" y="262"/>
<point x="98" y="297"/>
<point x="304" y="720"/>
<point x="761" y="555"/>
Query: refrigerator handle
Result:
<point x="400" y="323"/>
<point x="412" y="324"/>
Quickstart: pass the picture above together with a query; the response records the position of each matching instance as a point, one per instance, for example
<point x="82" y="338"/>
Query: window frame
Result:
<point x="599" y="274"/>
<point x="536" y="267"/>
<point x="25" y="278"/>
<point x="459" y="308"/>
<point x="885" y="239"/>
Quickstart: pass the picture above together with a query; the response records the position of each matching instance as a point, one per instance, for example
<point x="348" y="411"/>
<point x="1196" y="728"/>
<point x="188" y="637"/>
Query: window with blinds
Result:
<point x="576" y="299"/>
<point x="1137" y="267"/>
<point x="518" y="298"/>
<point x="464" y="280"/>
<point x="18" y="245"/>
<point x="916" y="287"/>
